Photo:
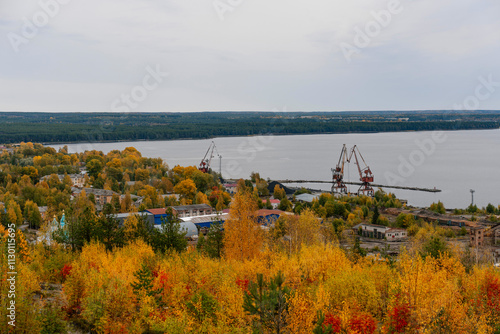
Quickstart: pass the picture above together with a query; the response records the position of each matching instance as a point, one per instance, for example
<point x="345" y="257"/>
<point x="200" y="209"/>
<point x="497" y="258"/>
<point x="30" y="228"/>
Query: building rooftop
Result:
<point x="266" y="212"/>
<point x="396" y="230"/>
<point x="191" y="207"/>
<point x="128" y="214"/>
<point x="100" y="192"/>
<point x="206" y="219"/>
<point x="306" y="197"/>
<point x="160" y="211"/>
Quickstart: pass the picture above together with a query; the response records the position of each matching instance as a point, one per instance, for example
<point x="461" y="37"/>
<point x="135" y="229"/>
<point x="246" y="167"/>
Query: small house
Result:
<point x="231" y="188"/>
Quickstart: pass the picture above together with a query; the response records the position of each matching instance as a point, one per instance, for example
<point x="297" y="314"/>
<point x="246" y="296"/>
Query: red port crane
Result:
<point x="365" y="173"/>
<point x="207" y="159"/>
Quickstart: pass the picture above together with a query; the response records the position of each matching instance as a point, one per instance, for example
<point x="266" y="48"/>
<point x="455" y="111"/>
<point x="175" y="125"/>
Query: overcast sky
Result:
<point x="249" y="54"/>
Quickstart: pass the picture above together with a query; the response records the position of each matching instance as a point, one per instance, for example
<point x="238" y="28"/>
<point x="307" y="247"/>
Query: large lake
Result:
<point x="454" y="161"/>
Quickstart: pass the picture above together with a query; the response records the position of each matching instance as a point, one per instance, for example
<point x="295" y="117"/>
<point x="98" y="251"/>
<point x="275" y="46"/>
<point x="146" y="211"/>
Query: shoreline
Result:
<point x="255" y="135"/>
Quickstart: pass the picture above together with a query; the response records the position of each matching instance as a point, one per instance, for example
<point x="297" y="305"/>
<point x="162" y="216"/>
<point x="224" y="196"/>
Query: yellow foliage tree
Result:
<point x="243" y="237"/>
<point x="201" y="198"/>
<point x="186" y="188"/>
<point x="302" y="230"/>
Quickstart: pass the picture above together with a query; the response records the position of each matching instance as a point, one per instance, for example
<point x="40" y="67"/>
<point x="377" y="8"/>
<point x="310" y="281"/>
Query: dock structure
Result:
<point x="430" y="190"/>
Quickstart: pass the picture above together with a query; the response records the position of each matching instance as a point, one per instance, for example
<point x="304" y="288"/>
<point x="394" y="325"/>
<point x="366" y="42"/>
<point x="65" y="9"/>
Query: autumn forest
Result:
<point x="304" y="272"/>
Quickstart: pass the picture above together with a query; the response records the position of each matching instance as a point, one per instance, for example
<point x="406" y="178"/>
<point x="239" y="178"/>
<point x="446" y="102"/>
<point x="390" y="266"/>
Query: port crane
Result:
<point x="365" y="173"/>
<point x="339" y="186"/>
<point x="207" y="159"/>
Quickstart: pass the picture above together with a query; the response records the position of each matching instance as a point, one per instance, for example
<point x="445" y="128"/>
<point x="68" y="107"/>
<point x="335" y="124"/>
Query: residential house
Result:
<point x="275" y="203"/>
<point x="77" y="180"/>
<point x="102" y="196"/>
<point x="136" y="200"/>
<point x="231" y="188"/>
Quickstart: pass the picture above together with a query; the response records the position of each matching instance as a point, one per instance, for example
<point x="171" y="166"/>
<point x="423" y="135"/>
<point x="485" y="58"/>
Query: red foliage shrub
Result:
<point x="333" y="321"/>
<point x="164" y="280"/>
<point x="66" y="270"/>
<point x="489" y="298"/>
<point x="243" y="284"/>
<point x="362" y="323"/>
<point x="399" y="318"/>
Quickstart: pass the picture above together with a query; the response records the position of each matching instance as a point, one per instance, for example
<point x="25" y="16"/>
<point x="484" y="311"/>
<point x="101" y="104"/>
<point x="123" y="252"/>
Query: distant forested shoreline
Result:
<point x="17" y="127"/>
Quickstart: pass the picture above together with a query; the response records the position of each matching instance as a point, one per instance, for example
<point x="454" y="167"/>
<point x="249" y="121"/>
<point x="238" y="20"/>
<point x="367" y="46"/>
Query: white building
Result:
<point x="381" y="232"/>
<point x="396" y="234"/>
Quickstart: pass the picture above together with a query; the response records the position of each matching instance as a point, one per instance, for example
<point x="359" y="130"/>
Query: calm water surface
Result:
<point x="455" y="163"/>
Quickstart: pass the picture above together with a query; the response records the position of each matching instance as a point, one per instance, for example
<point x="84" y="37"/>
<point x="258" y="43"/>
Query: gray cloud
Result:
<point x="263" y="55"/>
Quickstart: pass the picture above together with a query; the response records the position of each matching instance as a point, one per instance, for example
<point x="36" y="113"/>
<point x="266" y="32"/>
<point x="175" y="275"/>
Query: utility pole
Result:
<point x="472" y="194"/>
<point x="220" y="166"/>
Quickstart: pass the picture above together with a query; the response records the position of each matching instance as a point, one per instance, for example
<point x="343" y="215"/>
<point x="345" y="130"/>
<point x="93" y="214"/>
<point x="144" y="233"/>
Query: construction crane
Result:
<point x="339" y="186"/>
<point x="207" y="159"/>
<point x="365" y="174"/>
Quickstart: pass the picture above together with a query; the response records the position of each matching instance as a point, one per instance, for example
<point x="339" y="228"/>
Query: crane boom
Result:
<point x="207" y="159"/>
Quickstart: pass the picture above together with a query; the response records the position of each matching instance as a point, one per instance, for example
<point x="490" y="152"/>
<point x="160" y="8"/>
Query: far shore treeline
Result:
<point x="90" y="127"/>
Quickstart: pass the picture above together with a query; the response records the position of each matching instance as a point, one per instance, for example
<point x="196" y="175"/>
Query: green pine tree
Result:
<point x="321" y="328"/>
<point x="269" y="301"/>
<point x="144" y="281"/>
<point x="200" y="245"/>
<point x="171" y="235"/>
<point x="214" y="242"/>
<point x="375" y="216"/>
